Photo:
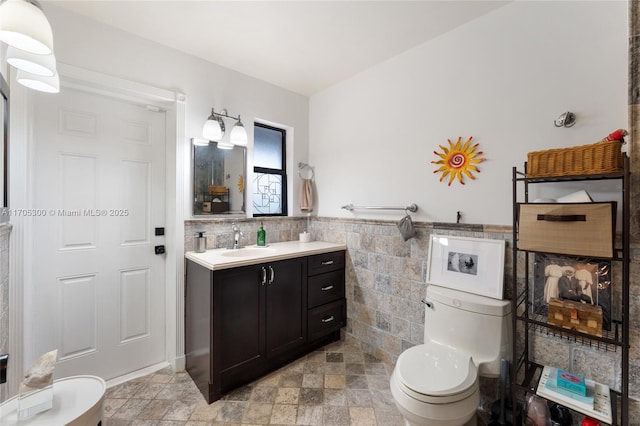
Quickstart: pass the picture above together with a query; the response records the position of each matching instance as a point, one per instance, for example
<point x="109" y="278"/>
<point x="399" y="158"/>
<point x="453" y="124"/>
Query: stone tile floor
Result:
<point x="337" y="385"/>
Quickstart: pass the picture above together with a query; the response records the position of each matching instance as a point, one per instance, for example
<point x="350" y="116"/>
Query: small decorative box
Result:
<point x="576" y="316"/>
<point x="572" y="382"/>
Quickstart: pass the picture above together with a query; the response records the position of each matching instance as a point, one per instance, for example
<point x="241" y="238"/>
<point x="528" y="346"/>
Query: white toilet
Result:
<point x="465" y="336"/>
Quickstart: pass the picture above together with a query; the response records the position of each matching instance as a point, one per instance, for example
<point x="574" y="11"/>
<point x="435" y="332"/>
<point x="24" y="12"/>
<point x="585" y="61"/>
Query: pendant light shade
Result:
<point x="23" y="25"/>
<point x="39" y="82"/>
<point x="238" y="134"/>
<point x="44" y="65"/>
<point x="213" y="129"/>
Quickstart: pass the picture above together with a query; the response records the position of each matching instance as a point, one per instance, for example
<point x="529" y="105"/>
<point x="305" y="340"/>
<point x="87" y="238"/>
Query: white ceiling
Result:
<point x="303" y="46"/>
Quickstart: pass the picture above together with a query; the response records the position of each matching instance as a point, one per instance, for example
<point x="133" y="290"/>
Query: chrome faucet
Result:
<point x="237" y="234"/>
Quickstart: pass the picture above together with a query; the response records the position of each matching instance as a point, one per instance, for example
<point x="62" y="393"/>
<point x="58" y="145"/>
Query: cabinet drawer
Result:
<point x="326" y="319"/>
<point x="325" y="288"/>
<point x="326" y="262"/>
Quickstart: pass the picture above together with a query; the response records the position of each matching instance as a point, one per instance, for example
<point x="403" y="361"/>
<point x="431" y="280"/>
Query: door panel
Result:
<point x="78" y="300"/>
<point x="98" y="293"/>
<point x="239" y="320"/>
<point x="286" y="306"/>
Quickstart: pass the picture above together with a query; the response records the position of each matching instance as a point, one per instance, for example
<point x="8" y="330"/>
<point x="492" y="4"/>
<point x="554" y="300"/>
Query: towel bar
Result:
<point x="412" y="207"/>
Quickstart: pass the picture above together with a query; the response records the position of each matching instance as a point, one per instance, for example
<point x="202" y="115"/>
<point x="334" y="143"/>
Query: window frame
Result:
<point x="282" y="172"/>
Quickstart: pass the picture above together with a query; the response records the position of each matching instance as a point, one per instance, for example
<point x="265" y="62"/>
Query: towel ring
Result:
<point x="301" y="167"/>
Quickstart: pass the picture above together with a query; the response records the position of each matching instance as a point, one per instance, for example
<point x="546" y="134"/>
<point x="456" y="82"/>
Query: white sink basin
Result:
<point x="249" y="252"/>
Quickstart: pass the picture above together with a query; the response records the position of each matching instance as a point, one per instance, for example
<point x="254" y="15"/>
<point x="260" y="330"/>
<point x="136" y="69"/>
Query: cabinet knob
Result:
<point x="264" y="276"/>
<point x="328" y="319"/>
<point x="327" y="288"/>
<point x="327" y="262"/>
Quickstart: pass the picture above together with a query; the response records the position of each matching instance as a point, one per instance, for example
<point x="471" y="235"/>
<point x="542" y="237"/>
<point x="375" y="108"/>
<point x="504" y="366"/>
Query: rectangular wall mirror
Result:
<point x="219" y="180"/>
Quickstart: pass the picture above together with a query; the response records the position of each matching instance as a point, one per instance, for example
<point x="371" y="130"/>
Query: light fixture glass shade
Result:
<point x="39" y="82"/>
<point x="44" y="65"/>
<point x="238" y="134"/>
<point x="213" y="129"/>
<point x="225" y="145"/>
<point x="24" y="25"/>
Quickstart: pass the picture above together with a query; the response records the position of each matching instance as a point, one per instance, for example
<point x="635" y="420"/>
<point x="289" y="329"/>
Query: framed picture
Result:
<point x="579" y="279"/>
<point x="474" y="265"/>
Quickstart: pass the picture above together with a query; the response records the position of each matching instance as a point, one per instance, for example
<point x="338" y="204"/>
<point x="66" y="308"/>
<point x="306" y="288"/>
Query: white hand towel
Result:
<point x="306" y="196"/>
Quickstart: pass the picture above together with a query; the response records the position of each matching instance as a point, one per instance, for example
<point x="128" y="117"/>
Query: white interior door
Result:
<point x="98" y="293"/>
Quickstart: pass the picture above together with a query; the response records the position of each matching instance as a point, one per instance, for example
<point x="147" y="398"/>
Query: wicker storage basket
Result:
<point x="217" y="189"/>
<point x="593" y="159"/>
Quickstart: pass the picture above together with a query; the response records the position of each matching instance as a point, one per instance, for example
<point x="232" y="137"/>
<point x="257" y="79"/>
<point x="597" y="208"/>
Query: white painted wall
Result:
<point x="92" y="45"/>
<point x="503" y="79"/>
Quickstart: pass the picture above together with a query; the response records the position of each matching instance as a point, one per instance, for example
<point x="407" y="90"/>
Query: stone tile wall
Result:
<point x="219" y="235"/>
<point x="5" y="232"/>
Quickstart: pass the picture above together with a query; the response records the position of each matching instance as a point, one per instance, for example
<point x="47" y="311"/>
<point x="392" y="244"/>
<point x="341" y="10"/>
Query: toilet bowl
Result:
<point x="435" y="382"/>
<point x="466" y="335"/>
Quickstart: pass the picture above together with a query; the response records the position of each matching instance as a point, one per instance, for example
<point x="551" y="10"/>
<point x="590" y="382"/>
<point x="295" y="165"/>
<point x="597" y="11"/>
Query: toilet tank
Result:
<point x="478" y="325"/>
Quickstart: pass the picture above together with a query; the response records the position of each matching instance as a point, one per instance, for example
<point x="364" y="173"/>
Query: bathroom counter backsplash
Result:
<point x="223" y="258"/>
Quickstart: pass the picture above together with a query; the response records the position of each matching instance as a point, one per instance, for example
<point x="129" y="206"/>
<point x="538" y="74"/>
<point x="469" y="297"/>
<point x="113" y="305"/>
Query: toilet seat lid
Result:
<point x="436" y="370"/>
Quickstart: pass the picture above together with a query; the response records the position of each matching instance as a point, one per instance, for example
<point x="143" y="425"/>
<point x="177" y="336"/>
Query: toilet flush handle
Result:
<point x="427" y="303"/>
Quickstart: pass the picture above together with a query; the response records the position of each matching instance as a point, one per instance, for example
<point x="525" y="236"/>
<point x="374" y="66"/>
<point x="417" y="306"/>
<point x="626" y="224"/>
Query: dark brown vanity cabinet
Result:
<point x="244" y="322"/>
<point x="326" y="302"/>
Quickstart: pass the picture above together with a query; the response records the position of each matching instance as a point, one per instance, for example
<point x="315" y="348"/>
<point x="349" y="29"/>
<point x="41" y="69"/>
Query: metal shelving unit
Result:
<point x="524" y="372"/>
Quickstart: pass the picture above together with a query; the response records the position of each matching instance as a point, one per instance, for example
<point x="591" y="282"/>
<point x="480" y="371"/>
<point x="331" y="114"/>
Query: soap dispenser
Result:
<point x="200" y="242"/>
<point x="261" y="240"/>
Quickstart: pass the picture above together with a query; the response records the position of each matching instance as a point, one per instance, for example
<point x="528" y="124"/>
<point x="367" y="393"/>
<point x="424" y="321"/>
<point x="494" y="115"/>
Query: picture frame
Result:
<point x="473" y="265"/>
<point x="556" y="275"/>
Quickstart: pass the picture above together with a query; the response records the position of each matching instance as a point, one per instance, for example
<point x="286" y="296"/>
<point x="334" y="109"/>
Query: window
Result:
<point x="269" y="171"/>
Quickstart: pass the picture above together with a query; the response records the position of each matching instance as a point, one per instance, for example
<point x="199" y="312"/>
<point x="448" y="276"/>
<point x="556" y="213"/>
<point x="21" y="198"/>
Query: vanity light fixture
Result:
<point x="214" y="129"/>
<point x="238" y="134"/>
<point x="25" y="28"/>
<point x="24" y="25"/>
<point x="40" y="83"/>
<point x="44" y="65"/>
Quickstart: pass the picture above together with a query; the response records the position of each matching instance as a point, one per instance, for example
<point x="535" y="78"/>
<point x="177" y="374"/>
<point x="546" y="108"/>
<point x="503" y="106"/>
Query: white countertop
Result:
<point x="217" y="259"/>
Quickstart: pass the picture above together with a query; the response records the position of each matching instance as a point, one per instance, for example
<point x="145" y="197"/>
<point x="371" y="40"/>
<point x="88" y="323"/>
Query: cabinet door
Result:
<point x="238" y="320"/>
<point x="286" y="305"/>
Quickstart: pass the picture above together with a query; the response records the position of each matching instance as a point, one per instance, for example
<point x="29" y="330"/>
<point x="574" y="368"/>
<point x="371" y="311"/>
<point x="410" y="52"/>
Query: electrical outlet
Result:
<point x="4" y="361"/>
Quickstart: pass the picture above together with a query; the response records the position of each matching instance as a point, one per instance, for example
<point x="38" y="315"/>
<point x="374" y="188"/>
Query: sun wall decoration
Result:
<point x="458" y="160"/>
